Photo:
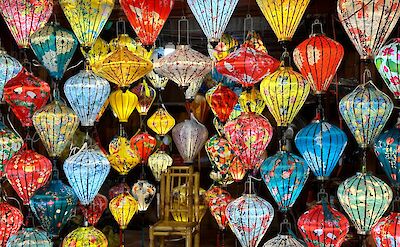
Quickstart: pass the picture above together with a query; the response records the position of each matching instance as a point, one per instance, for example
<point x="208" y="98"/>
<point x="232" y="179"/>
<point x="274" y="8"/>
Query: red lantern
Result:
<point x="10" y="221"/>
<point x="386" y="232"/>
<point x="221" y="100"/>
<point x="318" y="59"/>
<point x="27" y="171"/>
<point x="26" y="93"/>
<point x="237" y="170"/>
<point x="323" y="226"/>
<point x="143" y="144"/>
<point x="147" y="17"/>
<point x="218" y="199"/>
<point x="95" y="209"/>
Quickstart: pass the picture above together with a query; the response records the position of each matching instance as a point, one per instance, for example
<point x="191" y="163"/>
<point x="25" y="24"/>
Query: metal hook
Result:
<point x="316" y="23"/>
<point x="286" y="60"/>
<point x="123" y="23"/>
<point x="183" y="20"/>
<point x="247" y="19"/>
<point x="366" y="75"/>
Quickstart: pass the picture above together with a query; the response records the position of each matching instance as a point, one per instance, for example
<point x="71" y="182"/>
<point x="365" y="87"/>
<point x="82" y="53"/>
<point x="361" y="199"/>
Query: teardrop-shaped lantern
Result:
<point x="55" y="124"/>
<point x="97" y="52"/>
<point x="386" y="232"/>
<point x="285" y="93"/>
<point x="27" y="171"/>
<point x="9" y="68"/>
<point x="161" y="122"/>
<point x="86" y="92"/>
<point x="85" y="236"/>
<point x="95" y="209"/>
<point x="219" y="152"/>
<point x="285" y="175"/>
<point x="123" y="208"/>
<point x="123" y="103"/>
<point x="221" y="100"/>
<point x="54" y="46"/>
<point x="365" y="198"/>
<point x="30" y="237"/>
<point x="237" y="170"/>
<point x="25" y="17"/>
<point x="368" y="24"/>
<point x="321" y="144"/>
<point x="189" y="137"/>
<point x="11" y="143"/>
<point x="122" y="157"/>
<point x="252" y="101"/>
<point x="86" y="172"/>
<point x="11" y="220"/>
<point x="143" y="144"/>
<point x="249" y="136"/>
<point x="87" y="18"/>
<point x="146" y="96"/>
<point x="159" y="163"/>
<point x="26" y="93"/>
<point x="218" y="199"/>
<point x="283" y="240"/>
<point x="144" y="193"/>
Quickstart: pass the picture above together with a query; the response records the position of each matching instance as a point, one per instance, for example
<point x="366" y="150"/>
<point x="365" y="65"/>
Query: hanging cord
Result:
<point x="364" y="160"/>
<point x="247" y="20"/>
<point x="121" y="22"/>
<point x="318" y="24"/>
<point x="12" y="126"/>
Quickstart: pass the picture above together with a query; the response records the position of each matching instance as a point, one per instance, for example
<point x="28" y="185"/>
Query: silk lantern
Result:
<point x="102" y="110"/>
<point x="283" y="240"/>
<point x="252" y="101"/>
<point x="95" y="209"/>
<point x="123" y="40"/>
<point x="237" y="170"/>
<point x="29" y="237"/>
<point x="143" y="192"/>
<point x="143" y="144"/>
<point x="222" y="179"/>
<point x="321" y="144"/>
<point x="9" y="68"/>
<point x="123" y="103"/>
<point x="386" y="232"/>
<point x="25" y="94"/>
<point x="10" y="143"/>
<point x="365" y="198"/>
<point x="159" y="162"/>
<point x="217" y="202"/>
<point x="123" y="208"/>
<point x="54" y="46"/>
<point x="122" y="157"/>
<point x="221" y="100"/>
<point x="146" y="96"/>
<point x="11" y="220"/>
<point x="99" y="50"/>
<point x="368" y="24"/>
<point x="85" y="236"/>
<point x="118" y="189"/>
<point x="161" y="122"/>
<point x="159" y="82"/>
<point x="87" y="93"/>
<point x="225" y="46"/>
<point x="200" y="108"/>
<point x="193" y="89"/>
<point x="219" y="152"/>
<point x="285" y="175"/>
<point x="25" y="17"/>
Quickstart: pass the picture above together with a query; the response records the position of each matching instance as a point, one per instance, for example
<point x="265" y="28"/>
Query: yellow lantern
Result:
<point x="122" y="157"/>
<point x="102" y="110"/>
<point x="123" y="207"/>
<point x="123" y="40"/>
<point x="159" y="162"/>
<point x="85" y="237"/>
<point x="252" y="101"/>
<point x="180" y="200"/>
<point x="161" y="122"/>
<point x="123" y="104"/>
<point x="97" y="53"/>
<point x="283" y="16"/>
<point x="146" y="96"/>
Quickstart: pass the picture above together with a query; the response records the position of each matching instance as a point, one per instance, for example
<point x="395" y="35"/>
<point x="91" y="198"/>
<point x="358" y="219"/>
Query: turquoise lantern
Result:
<point x="9" y="68"/>
<point x="29" y="237"/>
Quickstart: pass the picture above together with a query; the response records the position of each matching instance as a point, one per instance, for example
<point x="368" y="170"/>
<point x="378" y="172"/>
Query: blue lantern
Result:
<point x="219" y="78"/>
<point x="285" y="175"/>
<point x="29" y="237"/>
<point x="9" y="68"/>
<point x="87" y="93"/>
<point x="54" y="46"/>
<point x="321" y="144"/>
<point x="86" y="172"/>
<point x="53" y="205"/>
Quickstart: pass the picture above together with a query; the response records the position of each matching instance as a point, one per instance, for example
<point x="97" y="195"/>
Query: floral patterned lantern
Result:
<point x="368" y="23"/>
<point x="365" y="198"/>
<point x="54" y="46"/>
<point x="285" y="175"/>
<point x="159" y="162"/>
<point x="27" y="171"/>
<point x="85" y="236"/>
<point x="237" y="170"/>
<point x="312" y="55"/>
<point x="123" y="208"/>
<point x="283" y="240"/>
<point x="97" y="52"/>
<point x="146" y="96"/>
<point x="161" y="122"/>
<point x="10" y="143"/>
<point x="95" y="209"/>
<point x="123" y="103"/>
<point x="252" y="101"/>
<point x="11" y="220"/>
<point x="217" y="202"/>
<point x="225" y="46"/>
<point x="143" y="192"/>
<point x="25" y="17"/>
<point x="143" y="144"/>
<point x="29" y="237"/>
<point x="223" y="179"/>
<point x="26" y="93"/>
<point x="86" y="93"/>
<point x="321" y="144"/>
<point x="159" y="82"/>
<point x="221" y="100"/>
<point x="9" y="68"/>
<point x="189" y="137"/>
<point x="123" y="40"/>
<point x="87" y="18"/>
<point x="386" y="231"/>
<point x="122" y="157"/>
<point x="118" y="189"/>
<point x="219" y="152"/>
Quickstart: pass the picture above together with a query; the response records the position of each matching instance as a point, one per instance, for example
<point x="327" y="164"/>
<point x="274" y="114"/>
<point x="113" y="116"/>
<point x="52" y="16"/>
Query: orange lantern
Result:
<point x="221" y="100"/>
<point x="143" y="144"/>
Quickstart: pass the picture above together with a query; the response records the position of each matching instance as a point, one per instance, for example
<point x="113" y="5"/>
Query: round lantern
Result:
<point x="10" y="143"/>
<point x="123" y="40"/>
<point x="97" y="52"/>
<point x="285" y="175"/>
<point x="27" y="171"/>
<point x="159" y="82"/>
<point x="86" y="92"/>
<point x="85" y="236"/>
<point x="218" y="199"/>
<point x="143" y="144"/>
<point x="237" y="170"/>
<point x="283" y="240"/>
<point x="161" y="122"/>
<point x="159" y="162"/>
<point x="386" y="231"/>
<point x="220" y="153"/>
<point x="29" y="237"/>
<point x="123" y="103"/>
<point x="122" y="157"/>
<point x="321" y="144"/>
<point x="312" y="56"/>
<point x="25" y="94"/>
<point x="54" y="46"/>
<point x="368" y="24"/>
<point x="143" y="192"/>
<point x="95" y="209"/>
<point x="249" y="136"/>
<point x="25" y="17"/>
<point x="146" y="96"/>
<point x="87" y="18"/>
<point x="11" y="220"/>
<point x="221" y="100"/>
<point x="9" y="68"/>
<point x="365" y="198"/>
<point x="252" y="101"/>
<point x="189" y="137"/>
<point x="123" y="208"/>
<point x="86" y="172"/>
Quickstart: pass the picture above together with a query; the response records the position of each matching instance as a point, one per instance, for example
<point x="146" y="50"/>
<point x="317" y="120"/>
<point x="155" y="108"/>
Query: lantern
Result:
<point x="285" y="175"/>
<point x="323" y="226"/>
<point x="123" y="103"/>
<point x="189" y="137"/>
<point x="366" y="111"/>
<point x="219" y="126"/>
<point x="102" y="110"/>
<point x="179" y="198"/>
<point x="385" y="232"/>
<point x="118" y="189"/>
<point x="54" y="46"/>
<point x="86" y="172"/>
<point x="10" y="221"/>
<point x="193" y="89"/>
<point x="283" y="16"/>
<point x="368" y="24"/>
<point x="10" y="143"/>
<point x="237" y="170"/>
<point x="283" y="240"/>
<point x="223" y="179"/>
<point x="159" y="162"/>
<point x="249" y="136"/>
<point x="200" y="108"/>
<point x="25" y="94"/>
<point x="87" y="93"/>
<point x="221" y="101"/>
<point x="219" y="152"/>
<point x="146" y="96"/>
<point x="9" y="68"/>
<point x="56" y="124"/>
<point x="95" y="209"/>
<point x="97" y="52"/>
<point x="321" y="144"/>
<point x="143" y="192"/>
<point x="29" y="237"/>
<point x="147" y="19"/>
<point x="217" y="202"/>
<point x="123" y="208"/>
<point x="122" y="157"/>
<point x="236" y="112"/>
<point x="284" y="92"/>
<point x="252" y="101"/>
<point x="123" y="40"/>
<point x="85" y="236"/>
<point x="87" y="18"/>
<point x="184" y="66"/>
<point x="225" y="46"/>
<point x="248" y="64"/>
<point x="27" y="171"/>
<point x="158" y="82"/>
<point x="143" y="144"/>
<point x="25" y="17"/>
<point x="161" y="122"/>
<point x="365" y="198"/>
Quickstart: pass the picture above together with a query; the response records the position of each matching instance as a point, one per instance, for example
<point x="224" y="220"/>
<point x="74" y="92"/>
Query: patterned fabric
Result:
<point x="123" y="104"/>
<point x="118" y="189"/>
<point x="283" y="241"/>
<point x="123" y="207"/>
<point x="193" y="89"/>
<point x="217" y="200"/>
<point x="143" y="192"/>
<point x="95" y="209"/>
<point x="29" y="237"/>
<point x="386" y="231"/>
<point x="10" y="144"/>
<point x="220" y="153"/>
<point x="225" y="46"/>
<point x="11" y="220"/>
<point x="252" y="101"/>
<point x="146" y="96"/>
<point x="159" y="162"/>
<point x="122" y="157"/>
<point x="237" y="170"/>
<point x="158" y="81"/>
<point x="9" y="68"/>
<point x="143" y="144"/>
<point x="85" y="237"/>
<point x="221" y="100"/>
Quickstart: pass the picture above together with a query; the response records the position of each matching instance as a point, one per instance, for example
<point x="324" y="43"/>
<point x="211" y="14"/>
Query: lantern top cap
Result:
<point x="316" y="28"/>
